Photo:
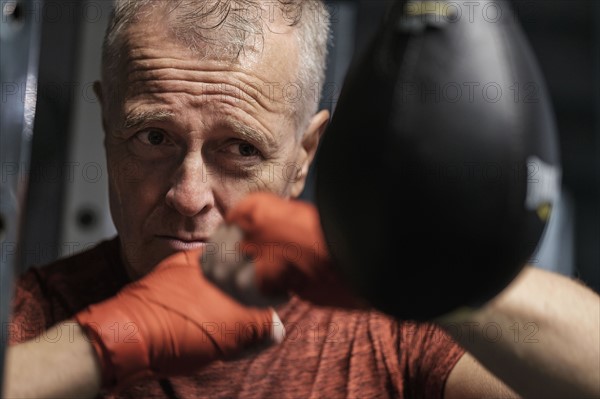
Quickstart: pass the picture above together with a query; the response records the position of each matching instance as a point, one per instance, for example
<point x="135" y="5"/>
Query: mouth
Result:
<point x="182" y="244"/>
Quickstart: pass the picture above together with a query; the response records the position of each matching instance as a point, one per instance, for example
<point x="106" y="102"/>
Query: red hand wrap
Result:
<point x="171" y="322"/>
<point x="285" y="240"/>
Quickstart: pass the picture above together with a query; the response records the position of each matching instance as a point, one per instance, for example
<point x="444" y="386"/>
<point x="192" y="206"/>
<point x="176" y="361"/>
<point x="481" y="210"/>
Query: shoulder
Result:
<point x="102" y="257"/>
<point x="45" y="295"/>
<point x="86" y="277"/>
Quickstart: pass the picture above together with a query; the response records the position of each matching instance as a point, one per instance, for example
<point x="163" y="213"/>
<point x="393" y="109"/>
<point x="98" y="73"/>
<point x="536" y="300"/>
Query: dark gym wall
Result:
<point x="565" y="36"/>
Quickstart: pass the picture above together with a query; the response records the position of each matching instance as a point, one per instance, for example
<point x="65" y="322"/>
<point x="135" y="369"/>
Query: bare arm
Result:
<point x="469" y="379"/>
<point x="541" y="336"/>
<point x="61" y="365"/>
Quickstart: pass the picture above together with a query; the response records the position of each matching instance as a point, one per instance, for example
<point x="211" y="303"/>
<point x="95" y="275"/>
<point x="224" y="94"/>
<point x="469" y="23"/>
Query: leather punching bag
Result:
<point x="436" y="177"/>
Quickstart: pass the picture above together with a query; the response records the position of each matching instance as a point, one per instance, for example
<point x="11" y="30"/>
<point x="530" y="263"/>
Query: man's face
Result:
<point x="188" y="135"/>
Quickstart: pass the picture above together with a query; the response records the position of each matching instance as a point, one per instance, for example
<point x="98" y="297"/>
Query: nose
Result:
<point x="191" y="192"/>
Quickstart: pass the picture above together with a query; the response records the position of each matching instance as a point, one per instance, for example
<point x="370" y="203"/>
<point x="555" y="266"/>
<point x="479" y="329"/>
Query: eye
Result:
<point x="247" y="150"/>
<point x="153" y="137"/>
<point x="242" y="149"/>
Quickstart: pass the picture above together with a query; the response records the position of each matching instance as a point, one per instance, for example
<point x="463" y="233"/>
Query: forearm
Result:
<point x="62" y="364"/>
<point x="541" y="336"/>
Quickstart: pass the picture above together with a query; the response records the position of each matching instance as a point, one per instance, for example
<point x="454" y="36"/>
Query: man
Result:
<point x="201" y="107"/>
<point x="202" y="103"/>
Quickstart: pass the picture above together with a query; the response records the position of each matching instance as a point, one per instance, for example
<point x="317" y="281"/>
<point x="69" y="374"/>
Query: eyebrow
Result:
<point x="250" y="134"/>
<point x="136" y="119"/>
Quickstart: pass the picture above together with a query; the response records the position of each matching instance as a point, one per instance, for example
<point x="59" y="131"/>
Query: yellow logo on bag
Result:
<point x="544" y="212"/>
<point x="418" y="8"/>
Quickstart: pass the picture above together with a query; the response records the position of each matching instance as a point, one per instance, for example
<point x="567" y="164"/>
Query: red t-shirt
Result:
<point x="328" y="353"/>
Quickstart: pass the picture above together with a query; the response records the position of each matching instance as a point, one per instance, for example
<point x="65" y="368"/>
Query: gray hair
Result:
<point x="233" y="27"/>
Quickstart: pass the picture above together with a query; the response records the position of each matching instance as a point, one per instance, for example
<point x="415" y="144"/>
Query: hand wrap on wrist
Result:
<point x="285" y="240"/>
<point x="171" y="322"/>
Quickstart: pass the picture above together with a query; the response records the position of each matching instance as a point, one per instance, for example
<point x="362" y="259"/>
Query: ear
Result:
<point x="98" y="92"/>
<point x="310" y="143"/>
<point x="100" y="96"/>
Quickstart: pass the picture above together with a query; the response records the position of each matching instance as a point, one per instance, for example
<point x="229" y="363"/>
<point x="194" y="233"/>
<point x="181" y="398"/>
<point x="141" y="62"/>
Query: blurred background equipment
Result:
<point x="69" y="210"/>
<point x="19" y="50"/>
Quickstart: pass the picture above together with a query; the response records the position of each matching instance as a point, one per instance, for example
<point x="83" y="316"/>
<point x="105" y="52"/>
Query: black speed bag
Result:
<point x="437" y="175"/>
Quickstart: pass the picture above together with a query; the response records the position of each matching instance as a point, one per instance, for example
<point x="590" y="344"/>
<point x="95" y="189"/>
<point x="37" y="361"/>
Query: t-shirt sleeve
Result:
<point x="427" y="355"/>
<point x="29" y="314"/>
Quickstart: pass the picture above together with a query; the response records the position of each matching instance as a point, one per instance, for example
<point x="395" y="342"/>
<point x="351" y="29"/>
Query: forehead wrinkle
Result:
<point x="178" y="95"/>
<point x="207" y="81"/>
